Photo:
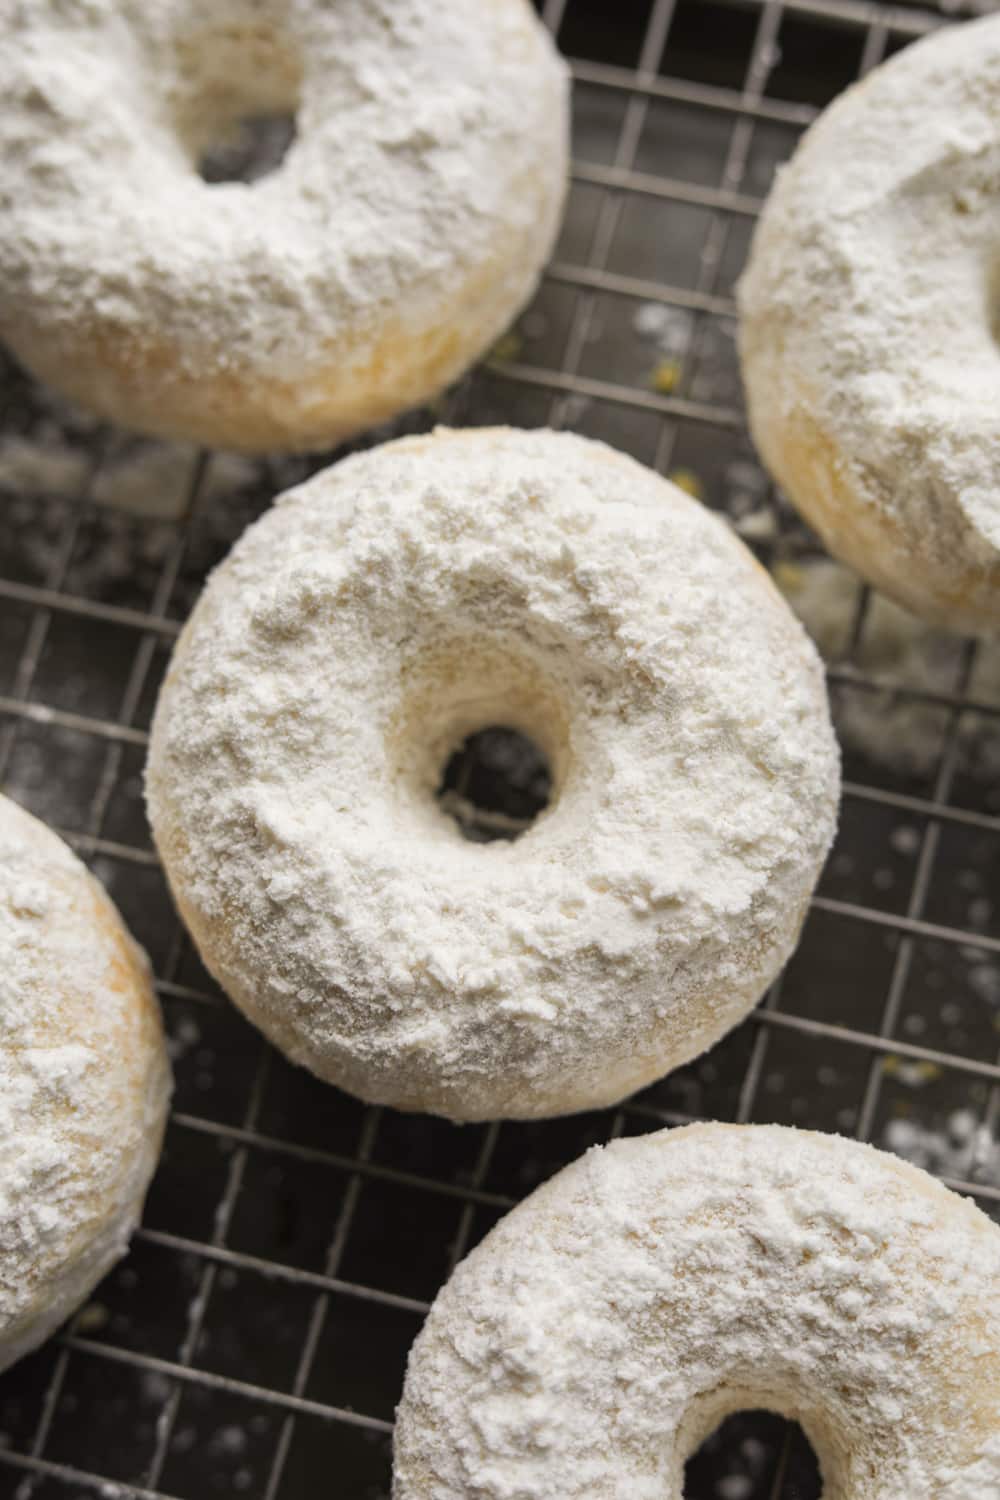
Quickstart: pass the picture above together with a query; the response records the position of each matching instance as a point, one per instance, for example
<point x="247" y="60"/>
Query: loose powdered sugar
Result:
<point x="868" y="333"/>
<point x="893" y="727"/>
<point x="83" y="1083"/>
<point x="355" y="636"/>
<point x="607" y="1325"/>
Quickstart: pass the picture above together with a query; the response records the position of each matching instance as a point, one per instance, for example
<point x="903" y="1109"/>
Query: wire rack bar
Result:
<point x="37" y="1468"/>
<point x="186" y="1374"/>
<point x="930" y="843"/>
<point x="678" y="91"/>
<point x="629" y="180"/>
<point x="321" y="1306"/>
<point x="599" y="279"/>
<point x="354" y="1165"/>
<point x="198" y="1305"/>
<point x="87" y="609"/>
<point x="622" y="395"/>
<point x="915" y="926"/>
<point x="278" y="1270"/>
<point x="925" y="807"/>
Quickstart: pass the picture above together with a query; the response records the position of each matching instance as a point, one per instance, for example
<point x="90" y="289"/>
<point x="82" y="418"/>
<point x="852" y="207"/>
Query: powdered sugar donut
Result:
<point x="361" y="631"/>
<point x="869" y="327"/>
<point x="405" y="228"/>
<point x="84" y="1083"/>
<point x="609" y="1323"/>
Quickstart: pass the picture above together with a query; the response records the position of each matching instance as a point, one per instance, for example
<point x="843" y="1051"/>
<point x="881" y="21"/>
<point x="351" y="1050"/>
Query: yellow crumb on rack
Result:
<point x="687" y="480"/>
<point x="507" y="348"/>
<point x="913" y="1072"/>
<point x="789" y="576"/>
<point x="666" y="377"/>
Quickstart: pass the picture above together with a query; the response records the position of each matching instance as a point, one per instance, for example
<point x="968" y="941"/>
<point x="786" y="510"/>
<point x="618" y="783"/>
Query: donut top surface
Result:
<point x="873" y="283"/>
<point x="418" y="127"/>
<point x="607" y="1325"/>
<point x="83" y="1076"/>
<point x="377" y="616"/>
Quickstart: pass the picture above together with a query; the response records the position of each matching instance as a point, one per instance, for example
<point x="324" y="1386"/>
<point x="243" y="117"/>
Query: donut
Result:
<point x="613" y="1319"/>
<point x="84" y="1083"/>
<point x="405" y="228"/>
<point x="869" y="328"/>
<point x="371" y="623"/>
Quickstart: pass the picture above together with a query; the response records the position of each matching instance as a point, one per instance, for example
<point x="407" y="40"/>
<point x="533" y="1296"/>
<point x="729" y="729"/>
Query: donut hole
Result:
<point x="481" y="739"/>
<point x="237" y="99"/>
<point x="254" y="147"/>
<point x="495" y="784"/>
<point x="754" y="1455"/>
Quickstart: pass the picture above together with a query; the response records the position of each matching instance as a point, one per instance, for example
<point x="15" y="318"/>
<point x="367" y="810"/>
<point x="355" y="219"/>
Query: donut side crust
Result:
<point x="353" y="386"/>
<point x="830" y="491"/>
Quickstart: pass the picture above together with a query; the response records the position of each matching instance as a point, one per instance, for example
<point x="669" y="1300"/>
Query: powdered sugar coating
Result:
<point x="869" y="327"/>
<point x="405" y="228"/>
<point x="354" y="637"/>
<point x="84" y="1083"/>
<point x="611" y="1321"/>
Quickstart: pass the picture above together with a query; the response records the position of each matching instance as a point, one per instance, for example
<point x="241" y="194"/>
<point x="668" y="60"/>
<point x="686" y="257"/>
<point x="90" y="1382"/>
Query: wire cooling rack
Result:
<point x="254" y="1341"/>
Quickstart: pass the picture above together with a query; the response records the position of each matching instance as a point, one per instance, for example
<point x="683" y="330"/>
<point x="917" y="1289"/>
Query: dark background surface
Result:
<point x="254" y="1341"/>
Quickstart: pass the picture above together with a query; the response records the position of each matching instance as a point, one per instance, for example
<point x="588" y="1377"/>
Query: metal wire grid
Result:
<point x="254" y="1341"/>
